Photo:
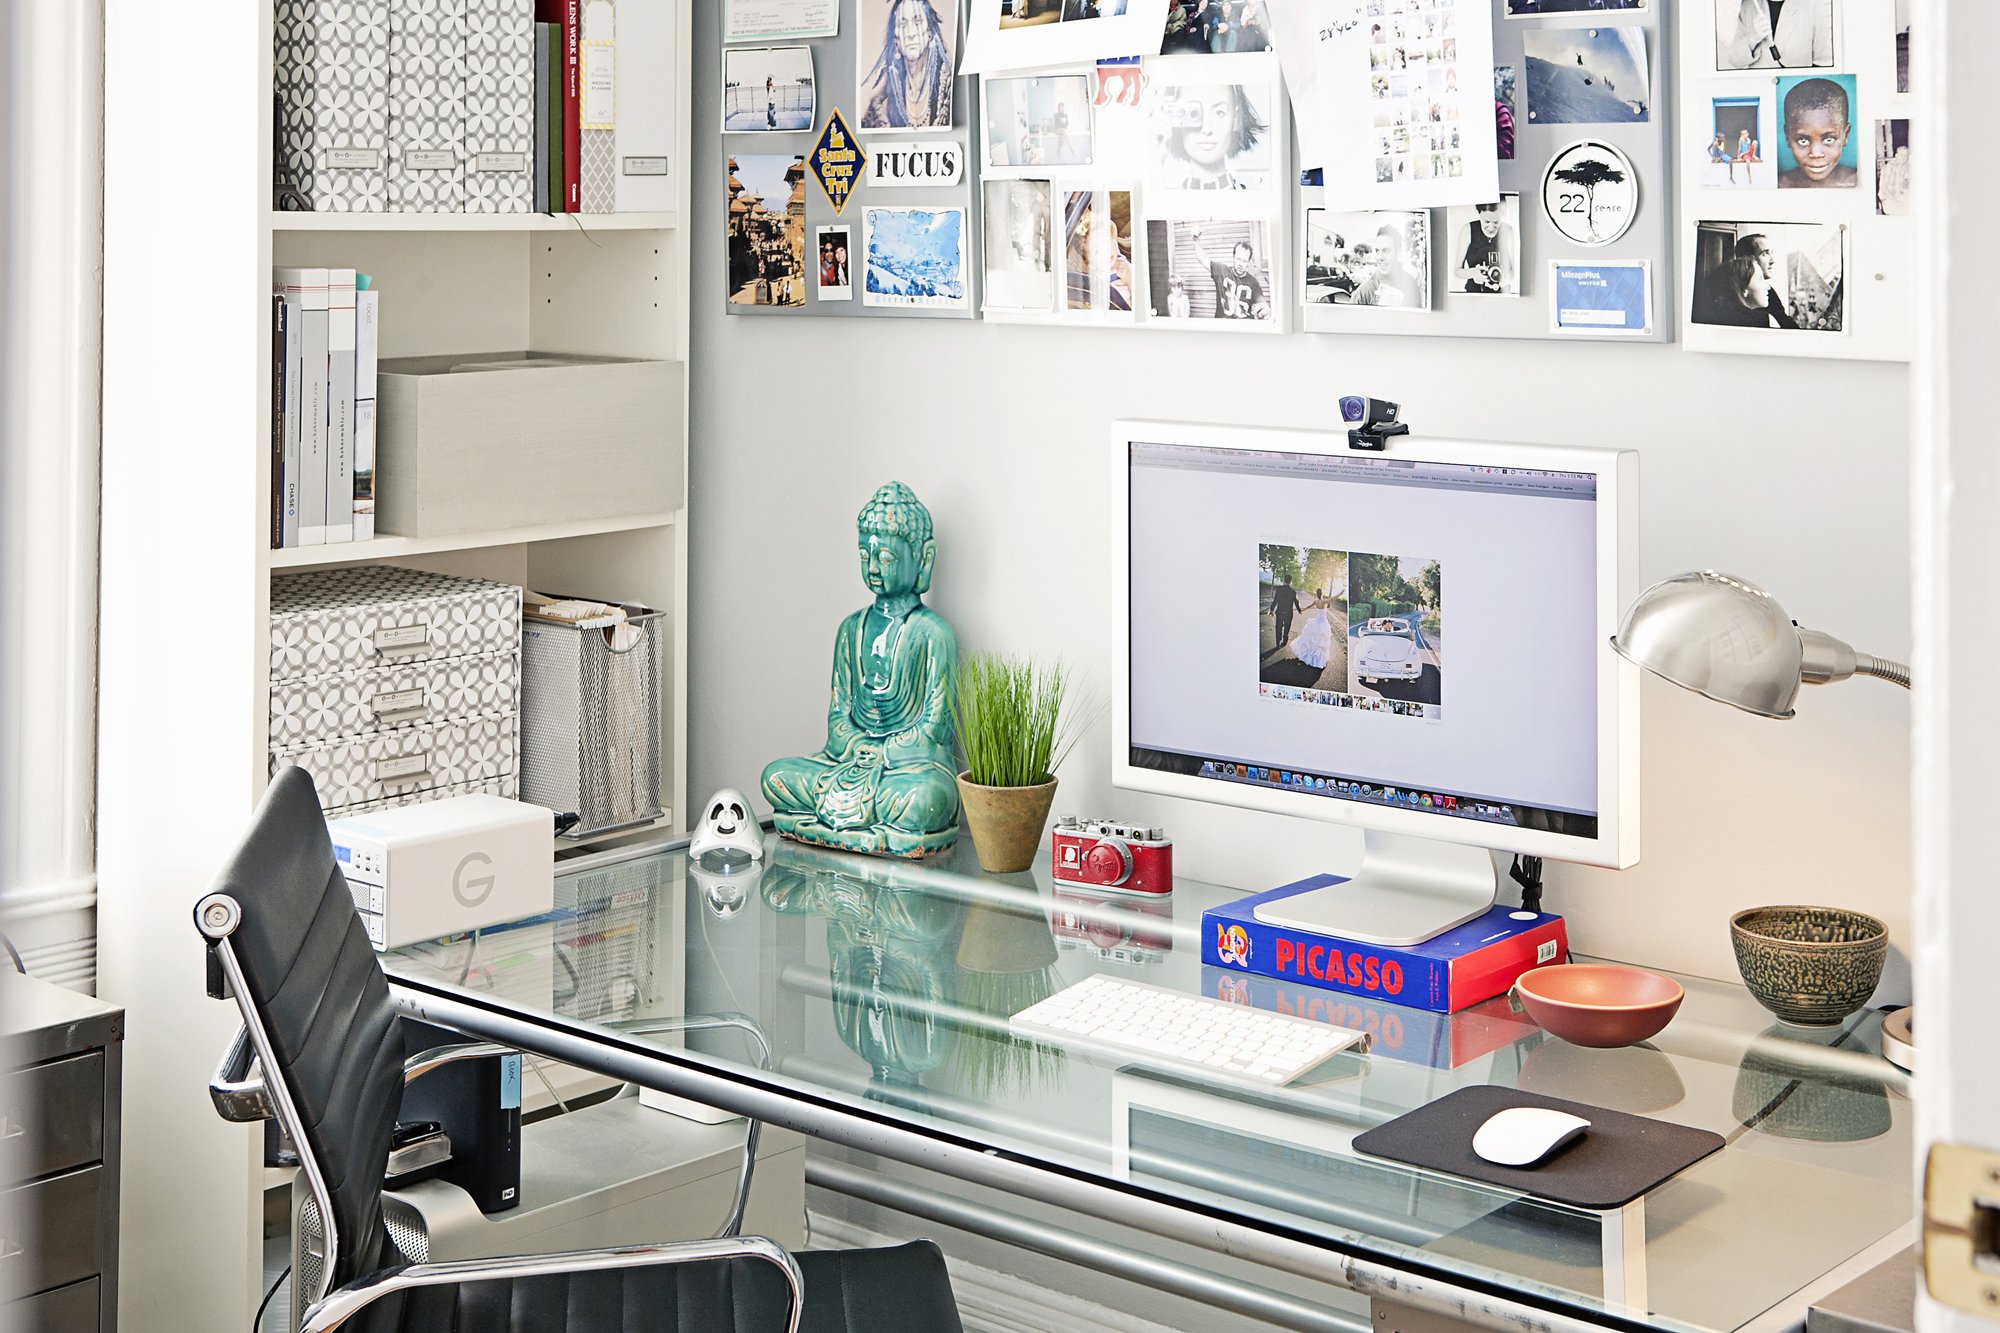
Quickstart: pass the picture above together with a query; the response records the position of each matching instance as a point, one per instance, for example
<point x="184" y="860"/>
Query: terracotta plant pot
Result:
<point x="1006" y="823"/>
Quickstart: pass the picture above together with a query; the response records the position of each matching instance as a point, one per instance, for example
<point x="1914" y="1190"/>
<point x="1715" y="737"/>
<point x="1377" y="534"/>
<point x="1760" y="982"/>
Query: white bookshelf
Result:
<point x="186" y="568"/>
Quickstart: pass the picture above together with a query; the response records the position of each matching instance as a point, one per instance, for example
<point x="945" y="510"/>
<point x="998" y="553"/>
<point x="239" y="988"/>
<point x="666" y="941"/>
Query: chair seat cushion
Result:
<point x="905" y="1289"/>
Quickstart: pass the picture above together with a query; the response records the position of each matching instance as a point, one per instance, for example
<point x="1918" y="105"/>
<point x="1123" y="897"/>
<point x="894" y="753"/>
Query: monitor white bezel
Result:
<point x="1617" y="471"/>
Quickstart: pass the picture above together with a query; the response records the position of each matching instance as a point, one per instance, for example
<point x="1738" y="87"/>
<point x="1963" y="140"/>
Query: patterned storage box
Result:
<point x="491" y="787"/>
<point x="385" y="698"/>
<point x="337" y="620"/>
<point x="412" y="759"/>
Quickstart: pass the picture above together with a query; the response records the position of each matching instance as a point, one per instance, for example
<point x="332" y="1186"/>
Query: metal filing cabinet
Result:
<point x="59" y="1104"/>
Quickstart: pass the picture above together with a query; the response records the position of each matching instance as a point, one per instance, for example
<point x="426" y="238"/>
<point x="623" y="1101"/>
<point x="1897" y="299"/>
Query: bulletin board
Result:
<point x="1831" y="236"/>
<point x="1576" y="51"/>
<point x="793" y="211"/>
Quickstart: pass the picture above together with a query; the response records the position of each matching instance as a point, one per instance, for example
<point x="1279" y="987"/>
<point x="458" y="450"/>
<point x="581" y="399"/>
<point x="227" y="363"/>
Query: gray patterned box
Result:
<point x="491" y="787"/>
<point x="384" y="698"/>
<point x="331" y="63"/>
<point x="401" y="763"/>
<point x="500" y="106"/>
<point x="427" y="106"/>
<point x="327" y="621"/>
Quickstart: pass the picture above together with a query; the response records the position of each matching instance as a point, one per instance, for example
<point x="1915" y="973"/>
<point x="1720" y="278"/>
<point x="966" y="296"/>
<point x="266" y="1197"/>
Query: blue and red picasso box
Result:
<point x="1414" y="1036"/>
<point x="1467" y="964"/>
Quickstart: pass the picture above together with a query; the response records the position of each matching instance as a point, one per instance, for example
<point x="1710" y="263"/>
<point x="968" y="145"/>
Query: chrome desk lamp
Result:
<point x="1729" y="640"/>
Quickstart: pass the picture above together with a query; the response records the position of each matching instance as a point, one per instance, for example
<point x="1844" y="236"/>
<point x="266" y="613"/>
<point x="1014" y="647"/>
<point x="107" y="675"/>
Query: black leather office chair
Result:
<point x="286" y="943"/>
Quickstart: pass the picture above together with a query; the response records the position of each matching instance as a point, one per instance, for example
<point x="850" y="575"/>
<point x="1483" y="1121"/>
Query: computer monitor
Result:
<point x="1415" y="641"/>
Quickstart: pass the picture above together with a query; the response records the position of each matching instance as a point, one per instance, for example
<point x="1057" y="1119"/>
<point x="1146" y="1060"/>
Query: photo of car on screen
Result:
<point x="1395" y="613"/>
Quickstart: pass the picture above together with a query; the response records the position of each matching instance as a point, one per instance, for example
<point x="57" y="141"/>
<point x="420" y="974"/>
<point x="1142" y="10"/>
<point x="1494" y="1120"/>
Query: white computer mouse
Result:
<point x="1526" y="1135"/>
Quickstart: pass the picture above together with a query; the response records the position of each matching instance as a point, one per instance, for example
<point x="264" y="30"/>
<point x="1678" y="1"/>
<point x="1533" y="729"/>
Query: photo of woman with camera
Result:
<point x="908" y="87"/>
<point x="1212" y="137"/>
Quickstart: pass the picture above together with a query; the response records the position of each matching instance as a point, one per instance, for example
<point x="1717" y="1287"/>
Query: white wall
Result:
<point x="1789" y="472"/>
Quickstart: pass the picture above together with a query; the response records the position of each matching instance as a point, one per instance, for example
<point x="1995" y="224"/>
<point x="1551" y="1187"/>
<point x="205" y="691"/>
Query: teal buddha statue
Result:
<point x="886" y="783"/>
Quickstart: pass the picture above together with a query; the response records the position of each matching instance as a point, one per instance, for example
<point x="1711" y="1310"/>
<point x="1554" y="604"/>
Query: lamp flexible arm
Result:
<point x="1882" y="669"/>
<point x="1827" y="659"/>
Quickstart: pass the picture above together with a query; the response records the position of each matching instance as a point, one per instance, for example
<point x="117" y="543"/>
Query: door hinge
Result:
<point x="1962" y="1228"/>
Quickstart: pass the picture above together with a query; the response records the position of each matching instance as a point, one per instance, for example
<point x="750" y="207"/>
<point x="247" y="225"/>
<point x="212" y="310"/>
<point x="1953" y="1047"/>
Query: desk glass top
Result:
<point x="887" y="987"/>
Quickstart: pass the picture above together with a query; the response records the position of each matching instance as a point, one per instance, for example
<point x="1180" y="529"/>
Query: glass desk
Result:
<point x="883" y="991"/>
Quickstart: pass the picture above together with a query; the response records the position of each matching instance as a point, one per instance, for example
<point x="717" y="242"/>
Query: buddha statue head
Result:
<point x="896" y="547"/>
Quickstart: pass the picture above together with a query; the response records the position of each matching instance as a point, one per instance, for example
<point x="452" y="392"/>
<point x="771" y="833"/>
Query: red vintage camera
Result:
<point x="1098" y="854"/>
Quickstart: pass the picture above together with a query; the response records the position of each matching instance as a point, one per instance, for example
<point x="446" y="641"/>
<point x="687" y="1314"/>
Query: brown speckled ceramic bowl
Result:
<point x="1809" y="965"/>
<point x="1599" y="1004"/>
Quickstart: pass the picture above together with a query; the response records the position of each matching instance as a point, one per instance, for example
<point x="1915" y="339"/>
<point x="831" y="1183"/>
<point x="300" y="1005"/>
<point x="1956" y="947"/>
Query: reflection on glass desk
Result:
<point x="884" y="991"/>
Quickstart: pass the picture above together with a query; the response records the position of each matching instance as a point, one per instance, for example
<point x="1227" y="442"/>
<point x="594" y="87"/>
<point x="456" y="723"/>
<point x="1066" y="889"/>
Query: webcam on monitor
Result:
<point x="1371" y="420"/>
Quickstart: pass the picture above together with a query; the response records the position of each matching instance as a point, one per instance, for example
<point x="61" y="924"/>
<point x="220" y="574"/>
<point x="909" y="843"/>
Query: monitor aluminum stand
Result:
<point x="1407" y="890"/>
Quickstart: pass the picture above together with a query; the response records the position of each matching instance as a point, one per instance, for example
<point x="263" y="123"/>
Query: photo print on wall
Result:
<point x="914" y="257"/>
<point x="835" y="278"/>
<point x="907" y="56"/>
<point x="1210" y="270"/>
<point x="1757" y="34"/>
<point x="1587" y="76"/>
<point x="1210" y="136"/>
<point x="1018" y="223"/>
<point x="767" y="229"/>
<point x="1216" y="27"/>
<point x="1892" y="168"/>
<point x="1097" y="252"/>
<point x="1771" y="275"/>
<point x="1817" y="148"/>
<point x="1381" y="259"/>
<point x="767" y="88"/>
<point x="1043" y="121"/>
<point x="1738" y="152"/>
<point x="1483" y="255"/>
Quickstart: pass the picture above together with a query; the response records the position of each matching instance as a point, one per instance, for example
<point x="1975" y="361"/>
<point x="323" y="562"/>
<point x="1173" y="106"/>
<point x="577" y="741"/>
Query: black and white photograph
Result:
<point x="835" y="249"/>
<point x="1378" y="259"/>
<point x="768" y="89"/>
<point x="1209" y="270"/>
<point x="1903" y="45"/>
<point x="1034" y="13"/>
<point x="1097" y="251"/>
<point x="1044" y="121"/>
<point x="1395" y="634"/>
<point x="1074" y="11"/>
<point x="1211" y="136"/>
<point x="1773" y="34"/>
<point x="1771" y="275"/>
<point x="1301" y="617"/>
<point x="908" y="58"/>
<point x="1521" y="9"/>
<point x="915" y="257"/>
<point x="1483" y="248"/>
<point x="1216" y="27"/>
<point x="1505" y="87"/>
<point x="1019" y="248"/>
<point x="1587" y="76"/>
<point x="1892" y="168"/>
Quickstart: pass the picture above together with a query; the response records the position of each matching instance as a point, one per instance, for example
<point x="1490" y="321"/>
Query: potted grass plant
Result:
<point x="1015" y="730"/>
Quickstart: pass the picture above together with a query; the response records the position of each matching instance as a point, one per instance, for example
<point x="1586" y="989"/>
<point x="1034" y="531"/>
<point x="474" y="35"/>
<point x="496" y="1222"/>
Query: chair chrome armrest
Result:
<point x="437" y="1057"/>
<point x="237" y="1088"/>
<point x="338" y="1308"/>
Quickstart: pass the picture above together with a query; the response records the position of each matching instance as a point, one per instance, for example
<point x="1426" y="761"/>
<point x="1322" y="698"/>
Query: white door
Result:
<point x="1956" y="533"/>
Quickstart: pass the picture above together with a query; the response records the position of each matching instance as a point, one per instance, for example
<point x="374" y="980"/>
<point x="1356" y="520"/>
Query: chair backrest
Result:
<point x="311" y="982"/>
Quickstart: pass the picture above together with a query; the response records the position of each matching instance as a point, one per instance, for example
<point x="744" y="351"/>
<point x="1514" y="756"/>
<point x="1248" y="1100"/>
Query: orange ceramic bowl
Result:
<point x="1599" y="1004"/>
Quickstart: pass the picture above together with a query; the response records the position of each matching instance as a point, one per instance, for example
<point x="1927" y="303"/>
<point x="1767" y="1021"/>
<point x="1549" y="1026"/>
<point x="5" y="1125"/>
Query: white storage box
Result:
<point x="404" y="762"/>
<point x="384" y="698"/>
<point x="591" y="717"/>
<point x="505" y="440"/>
<point x="326" y="621"/>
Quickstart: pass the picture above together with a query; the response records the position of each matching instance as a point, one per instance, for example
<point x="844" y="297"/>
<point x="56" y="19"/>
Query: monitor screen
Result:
<point x="1375" y="631"/>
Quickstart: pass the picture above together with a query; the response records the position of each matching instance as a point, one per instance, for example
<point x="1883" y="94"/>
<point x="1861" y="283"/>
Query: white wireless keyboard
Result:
<point x="1210" y="1038"/>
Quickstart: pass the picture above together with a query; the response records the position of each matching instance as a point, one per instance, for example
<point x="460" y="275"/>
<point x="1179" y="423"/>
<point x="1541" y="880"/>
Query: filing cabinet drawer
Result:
<point x="61" y="1238"/>
<point x="51" y="1117"/>
<point x="386" y="698"/>
<point x="407" y="761"/>
<point x="71" y="1309"/>
<point x="328" y="621"/>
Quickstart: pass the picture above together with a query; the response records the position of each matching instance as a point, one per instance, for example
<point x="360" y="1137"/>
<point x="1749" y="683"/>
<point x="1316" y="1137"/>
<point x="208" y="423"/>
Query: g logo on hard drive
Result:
<point x="472" y="892"/>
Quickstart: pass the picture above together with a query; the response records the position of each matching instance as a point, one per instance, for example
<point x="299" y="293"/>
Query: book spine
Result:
<point x="542" y="83"/>
<point x="277" y="420"/>
<point x="311" y="287"/>
<point x="1491" y="970"/>
<point x="1376" y="973"/>
<point x="644" y="138"/>
<point x="295" y="318"/>
<point x="350" y="92"/>
<point x="367" y="342"/>
<point x="572" y="31"/>
<point x="597" y="108"/>
<point x="499" y="106"/>
<point x="340" y="406"/>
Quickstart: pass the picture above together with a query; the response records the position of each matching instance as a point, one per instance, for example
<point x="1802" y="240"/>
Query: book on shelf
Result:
<point x="646" y="121"/>
<point x="308" y="288"/>
<point x="500" y="106"/>
<point x="543" y="83"/>
<point x="597" y="108"/>
<point x="367" y="345"/>
<point x="340" y="405"/>
<point x="567" y="18"/>
<point x="278" y="418"/>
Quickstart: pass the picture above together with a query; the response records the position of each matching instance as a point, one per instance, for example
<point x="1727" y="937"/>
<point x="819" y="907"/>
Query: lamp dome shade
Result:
<point x="1719" y="636"/>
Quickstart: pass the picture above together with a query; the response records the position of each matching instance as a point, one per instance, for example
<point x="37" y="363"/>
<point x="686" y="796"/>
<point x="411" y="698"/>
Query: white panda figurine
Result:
<point x="728" y="824"/>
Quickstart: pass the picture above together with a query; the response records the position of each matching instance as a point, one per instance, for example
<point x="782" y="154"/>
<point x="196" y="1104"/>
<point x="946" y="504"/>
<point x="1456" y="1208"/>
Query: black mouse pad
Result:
<point x="1619" y="1158"/>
